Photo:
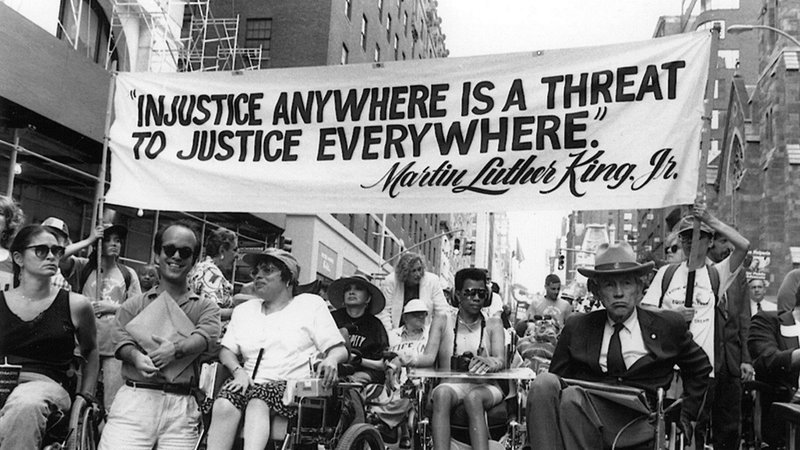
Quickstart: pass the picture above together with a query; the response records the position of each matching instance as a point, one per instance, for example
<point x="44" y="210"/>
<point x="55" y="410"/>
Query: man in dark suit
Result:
<point x="622" y="345"/>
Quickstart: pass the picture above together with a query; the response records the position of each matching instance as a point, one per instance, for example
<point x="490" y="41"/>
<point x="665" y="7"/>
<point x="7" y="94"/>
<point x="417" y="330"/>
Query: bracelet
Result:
<point x="234" y="370"/>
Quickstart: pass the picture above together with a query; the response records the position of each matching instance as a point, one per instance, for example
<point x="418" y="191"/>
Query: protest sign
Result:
<point x="611" y="127"/>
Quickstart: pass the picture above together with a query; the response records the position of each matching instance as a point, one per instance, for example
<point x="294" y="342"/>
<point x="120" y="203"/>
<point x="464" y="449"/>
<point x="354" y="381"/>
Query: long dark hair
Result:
<point x="14" y="219"/>
<point x="21" y="241"/>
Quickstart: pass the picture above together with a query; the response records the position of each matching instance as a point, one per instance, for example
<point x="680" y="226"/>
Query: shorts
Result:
<point x="270" y="393"/>
<point x="461" y="390"/>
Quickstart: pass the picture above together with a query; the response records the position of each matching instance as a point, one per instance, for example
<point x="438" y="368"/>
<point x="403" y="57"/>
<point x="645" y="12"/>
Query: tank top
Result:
<point x="43" y="345"/>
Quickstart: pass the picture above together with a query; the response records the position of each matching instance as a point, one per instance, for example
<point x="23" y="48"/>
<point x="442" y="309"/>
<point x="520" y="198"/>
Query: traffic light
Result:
<point x="561" y="259"/>
<point x="285" y="244"/>
<point x="469" y="248"/>
<point x="456" y="246"/>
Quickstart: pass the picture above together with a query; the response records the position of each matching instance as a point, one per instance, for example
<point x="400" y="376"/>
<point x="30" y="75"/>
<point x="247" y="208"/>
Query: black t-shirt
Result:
<point x="367" y="334"/>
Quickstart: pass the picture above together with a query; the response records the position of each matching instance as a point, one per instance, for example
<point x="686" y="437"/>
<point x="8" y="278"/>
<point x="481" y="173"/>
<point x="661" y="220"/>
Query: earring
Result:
<point x="221" y="257"/>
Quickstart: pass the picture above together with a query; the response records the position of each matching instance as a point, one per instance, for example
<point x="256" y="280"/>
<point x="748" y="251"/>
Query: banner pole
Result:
<point x="99" y="196"/>
<point x="694" y="262"/>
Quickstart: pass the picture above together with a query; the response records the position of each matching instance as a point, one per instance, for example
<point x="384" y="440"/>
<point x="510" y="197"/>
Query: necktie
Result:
<point x="758" y="306"/>
<point x="614" y="361"/>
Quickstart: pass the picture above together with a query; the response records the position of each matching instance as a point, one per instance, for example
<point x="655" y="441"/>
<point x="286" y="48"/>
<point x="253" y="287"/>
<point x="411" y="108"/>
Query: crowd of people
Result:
<point x="140" y="339"/>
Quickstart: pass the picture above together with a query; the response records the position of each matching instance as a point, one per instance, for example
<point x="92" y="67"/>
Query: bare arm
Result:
<point x="75" y="247"/>
<point x="83" y="319"/>
<point x="739" y="242"/>
<point x="435" y="334"/>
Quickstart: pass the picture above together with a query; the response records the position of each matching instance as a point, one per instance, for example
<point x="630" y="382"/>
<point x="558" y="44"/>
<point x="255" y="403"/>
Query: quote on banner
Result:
<point x="592" y="128"/>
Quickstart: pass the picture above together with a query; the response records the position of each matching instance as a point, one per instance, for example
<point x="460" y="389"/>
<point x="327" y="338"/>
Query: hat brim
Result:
<point x="636" y="270"/>
<point x="58" y="232"/>
<point x="119" y="230"/>
<point x="254" y="259"/>
<point x="336" y="294"/>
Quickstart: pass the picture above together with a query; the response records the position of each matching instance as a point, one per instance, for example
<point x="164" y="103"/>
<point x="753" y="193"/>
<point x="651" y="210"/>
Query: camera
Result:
<point x="460" y="363"/>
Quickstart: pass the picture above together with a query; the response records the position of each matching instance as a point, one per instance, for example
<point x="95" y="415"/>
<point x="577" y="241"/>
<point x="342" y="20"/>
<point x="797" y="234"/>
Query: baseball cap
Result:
<point x="253" y="259"/>
<point x="687" y="224"/>
<point x="57" y="225"/>
<point x="415" y="305"/>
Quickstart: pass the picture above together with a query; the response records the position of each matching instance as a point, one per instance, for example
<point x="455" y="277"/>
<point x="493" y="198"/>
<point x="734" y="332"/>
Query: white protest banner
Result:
<point x="611" y="127"/>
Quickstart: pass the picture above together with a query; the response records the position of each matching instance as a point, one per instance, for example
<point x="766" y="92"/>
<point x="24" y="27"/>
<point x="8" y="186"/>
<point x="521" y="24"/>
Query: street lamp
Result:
<point x="742" y="28"/>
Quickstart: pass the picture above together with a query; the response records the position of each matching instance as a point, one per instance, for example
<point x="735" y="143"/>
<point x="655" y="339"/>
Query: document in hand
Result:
<point x="164" y="318"/>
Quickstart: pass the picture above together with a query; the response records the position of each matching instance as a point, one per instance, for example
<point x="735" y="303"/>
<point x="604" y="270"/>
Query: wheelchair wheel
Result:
<point x="361" y="436"/>
<point x="83" y="434"/>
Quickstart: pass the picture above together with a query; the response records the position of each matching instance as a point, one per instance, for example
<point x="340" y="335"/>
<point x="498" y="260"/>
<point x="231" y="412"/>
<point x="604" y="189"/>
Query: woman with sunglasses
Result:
<point x="276" y="337"/>
<point x="38" y="329"/>
<point x="207" y="277"/>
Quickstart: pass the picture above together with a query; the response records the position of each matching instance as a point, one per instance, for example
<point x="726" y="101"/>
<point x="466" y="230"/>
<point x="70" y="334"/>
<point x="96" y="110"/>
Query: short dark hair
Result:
<point x="552" y="278"/>
<point x="470" y="273"/>
<point x="22" y="240"/>
<point x="159" y="238"/>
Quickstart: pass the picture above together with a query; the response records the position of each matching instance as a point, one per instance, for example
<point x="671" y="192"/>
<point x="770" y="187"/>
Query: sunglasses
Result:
<point x="480" y="293"/>
<point x="42" y="250"/>
<point x="183" y="252"/>
<point x="267" y="268"/>
<point x="672" y="249"/>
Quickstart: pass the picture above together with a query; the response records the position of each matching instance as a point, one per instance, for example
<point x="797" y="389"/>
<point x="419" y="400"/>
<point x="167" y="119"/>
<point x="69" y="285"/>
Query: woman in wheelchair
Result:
<point x="469" y="343"/>
<point x="38" y="329"/>
<point x="275" y="336"/>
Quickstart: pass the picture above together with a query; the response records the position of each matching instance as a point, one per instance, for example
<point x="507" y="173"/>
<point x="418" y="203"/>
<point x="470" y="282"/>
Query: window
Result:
<point x="399" y="6"/>
<point x="380" y="8"/>
<point x="716" y="88"/>
<point x="395" y="45"/>
<point x="405" y="23"/>
<point x="389" y="27"/>
<point x="714" y="119"/>
<point x="92" y="29"/>
<point x="348" y="8"/>
<point x="364" y="33"/>
<point x="345" y="54"/>
<point x="730" y="57"/>
<point x="258" y="32"/>
<point x="377" y="57"/>
<point x="404" y="56"/>
<point x="709" y="5"/>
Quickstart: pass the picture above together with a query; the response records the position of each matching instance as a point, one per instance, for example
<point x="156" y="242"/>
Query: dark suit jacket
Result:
<point x="730" y="333"/>
<point x="772" y="352"/>
<point x="668" y="343"/>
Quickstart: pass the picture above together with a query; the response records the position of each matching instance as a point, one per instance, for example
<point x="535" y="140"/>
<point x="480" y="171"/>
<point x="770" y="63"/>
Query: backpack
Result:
<point x="713" y="275"/>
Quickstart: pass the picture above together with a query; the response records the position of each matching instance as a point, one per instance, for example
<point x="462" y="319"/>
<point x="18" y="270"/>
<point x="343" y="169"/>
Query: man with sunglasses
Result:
<point x="153" y="410"/>
<point x="717" y="321"/>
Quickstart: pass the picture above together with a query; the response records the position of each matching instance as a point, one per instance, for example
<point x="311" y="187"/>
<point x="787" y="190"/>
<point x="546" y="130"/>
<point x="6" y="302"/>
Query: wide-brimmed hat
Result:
<point x="275" y="254"/>
<point x="57" y="225"/>
<point x="415" y="305"/>
<point x="338" y="287"/>
<point x="616" y="259"/>
<point x="687" y="224"/>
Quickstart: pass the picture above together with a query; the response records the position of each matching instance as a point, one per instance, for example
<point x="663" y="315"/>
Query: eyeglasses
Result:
<point x="480" y="293"/>
<point x="42" y="250"/>
<point x="267" y="268"/>
<point x="672" y="249"/>
<point x="183" y="252"/>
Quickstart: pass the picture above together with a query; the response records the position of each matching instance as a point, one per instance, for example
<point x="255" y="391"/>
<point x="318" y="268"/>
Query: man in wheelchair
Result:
<point x="621" y="346"/>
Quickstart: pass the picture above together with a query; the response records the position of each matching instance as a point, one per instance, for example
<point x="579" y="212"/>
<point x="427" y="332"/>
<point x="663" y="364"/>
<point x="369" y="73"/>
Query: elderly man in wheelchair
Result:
<point x="39" y="326"/>
<point x="626" y="354"/>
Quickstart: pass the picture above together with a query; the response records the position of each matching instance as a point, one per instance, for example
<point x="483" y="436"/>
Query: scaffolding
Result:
<point x="178" y="35"/>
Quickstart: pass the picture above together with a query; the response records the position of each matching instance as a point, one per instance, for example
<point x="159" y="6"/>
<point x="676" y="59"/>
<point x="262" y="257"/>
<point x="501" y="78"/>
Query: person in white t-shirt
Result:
<point x="705" y="302"/>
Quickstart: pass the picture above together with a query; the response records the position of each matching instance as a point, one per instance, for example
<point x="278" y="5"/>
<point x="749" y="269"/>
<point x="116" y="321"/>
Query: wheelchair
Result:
<point x="76" y="430"/>
<point x="332" y="420"/>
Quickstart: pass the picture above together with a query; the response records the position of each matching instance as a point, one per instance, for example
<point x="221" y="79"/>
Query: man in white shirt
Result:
<point x="757" y="290"/>
<point x="708" y="308"/>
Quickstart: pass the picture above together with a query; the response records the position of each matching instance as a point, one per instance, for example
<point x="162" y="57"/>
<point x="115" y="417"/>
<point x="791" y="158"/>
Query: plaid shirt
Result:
<point x="59" y="282"/>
